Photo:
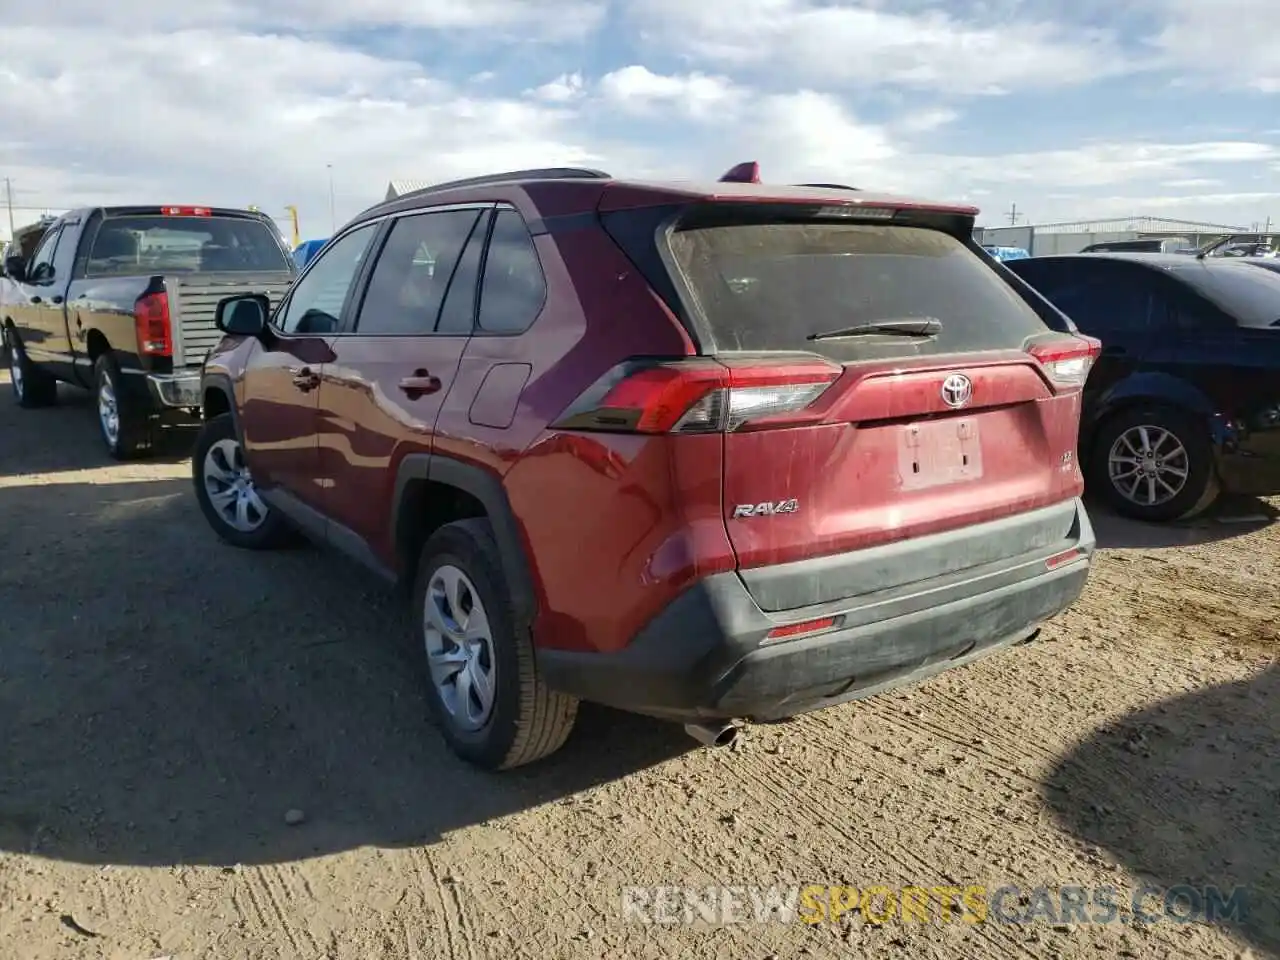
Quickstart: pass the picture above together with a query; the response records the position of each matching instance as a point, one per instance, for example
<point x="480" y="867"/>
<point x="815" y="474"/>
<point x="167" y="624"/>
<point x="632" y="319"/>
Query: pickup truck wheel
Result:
<point x="31" y="386"/>
<point x="225" y="490"/>
<point x="126" y="430"/>
<point x="1154" y="463"/>
<point x="485" y="692"/>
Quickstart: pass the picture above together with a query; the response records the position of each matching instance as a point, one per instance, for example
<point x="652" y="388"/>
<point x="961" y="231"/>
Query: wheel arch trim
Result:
<point x="487" y="488"/>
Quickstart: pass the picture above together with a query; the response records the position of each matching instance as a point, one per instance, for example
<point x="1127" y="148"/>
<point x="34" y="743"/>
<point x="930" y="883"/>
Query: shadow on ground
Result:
<point x="1188" y="792"/>
<point x="166" y="699"/>
<point x="1230" y="517"/>
<point x="65" y="436"/>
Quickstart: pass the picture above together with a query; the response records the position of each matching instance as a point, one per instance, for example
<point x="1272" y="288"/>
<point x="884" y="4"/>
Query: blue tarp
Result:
<point x="307" y="249"/>
<point x="1008" y="253"/>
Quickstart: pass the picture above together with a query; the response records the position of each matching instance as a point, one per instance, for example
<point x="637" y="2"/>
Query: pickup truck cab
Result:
<point x="121" y="300"/>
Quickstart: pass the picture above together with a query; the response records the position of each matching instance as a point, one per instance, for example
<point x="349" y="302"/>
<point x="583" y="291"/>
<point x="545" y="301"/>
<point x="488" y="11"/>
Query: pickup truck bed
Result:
<point x="118" y="301"/>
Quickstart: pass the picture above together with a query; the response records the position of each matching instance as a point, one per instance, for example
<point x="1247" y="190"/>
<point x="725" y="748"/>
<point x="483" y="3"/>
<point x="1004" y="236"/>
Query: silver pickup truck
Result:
<point x="120" y="301"/>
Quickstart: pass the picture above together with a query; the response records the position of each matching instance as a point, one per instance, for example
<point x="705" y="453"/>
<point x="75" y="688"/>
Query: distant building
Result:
<point x="1049" y="238"/>
<point x="398" y="188"/>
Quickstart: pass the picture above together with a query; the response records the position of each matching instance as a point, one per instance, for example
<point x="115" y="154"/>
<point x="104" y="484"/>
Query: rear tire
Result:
<point x="31" y="387"/>
<point x="1154" y="463"/>
<point x="124" y="424"/>
<point x="491" y="704"/>
<point x="225" y="491"/>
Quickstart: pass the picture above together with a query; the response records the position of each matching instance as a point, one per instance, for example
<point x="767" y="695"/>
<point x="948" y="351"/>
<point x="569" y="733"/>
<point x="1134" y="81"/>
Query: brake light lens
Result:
<point x="1067" y="362"/>
<point x="699" y="396"/>
<point x="186" y="211"/>
<point x="152" y="325"/>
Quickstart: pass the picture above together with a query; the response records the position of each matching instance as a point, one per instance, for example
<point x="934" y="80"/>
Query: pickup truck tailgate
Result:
<point x="194" y="297"/>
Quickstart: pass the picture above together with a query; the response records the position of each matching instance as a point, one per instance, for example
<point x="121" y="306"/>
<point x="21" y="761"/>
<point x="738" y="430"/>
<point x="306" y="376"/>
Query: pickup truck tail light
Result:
<point x="153" y="327"/>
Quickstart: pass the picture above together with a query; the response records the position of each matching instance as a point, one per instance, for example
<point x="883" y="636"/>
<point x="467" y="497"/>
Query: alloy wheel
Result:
<point x="230" y="487"/>
<point x="1148" y="465"/>
<point x="108" y="410"/>
<point x="459" y="644"/>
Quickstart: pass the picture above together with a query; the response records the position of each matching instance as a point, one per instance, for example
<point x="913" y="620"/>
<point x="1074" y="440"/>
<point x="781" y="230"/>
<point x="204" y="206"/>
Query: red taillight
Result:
<point x="1067" y="361"/>
<point x="186" y="211"/>
<point x="151" y="322"/>
<point x="699" y="396"/>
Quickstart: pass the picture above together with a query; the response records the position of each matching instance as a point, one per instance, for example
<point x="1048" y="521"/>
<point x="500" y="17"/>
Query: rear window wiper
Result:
<point x="909" y="327"/>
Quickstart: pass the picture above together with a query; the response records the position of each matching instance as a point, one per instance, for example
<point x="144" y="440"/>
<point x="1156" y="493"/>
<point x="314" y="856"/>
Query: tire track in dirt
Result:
<point x="430" y="882"/>
<point x="911" y="866"/>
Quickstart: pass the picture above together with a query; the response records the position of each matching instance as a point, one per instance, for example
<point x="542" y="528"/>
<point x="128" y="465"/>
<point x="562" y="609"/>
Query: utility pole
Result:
<point x="1013" y="215"/>
<point x="8" y="195"/>
<point x="333" y="217"/>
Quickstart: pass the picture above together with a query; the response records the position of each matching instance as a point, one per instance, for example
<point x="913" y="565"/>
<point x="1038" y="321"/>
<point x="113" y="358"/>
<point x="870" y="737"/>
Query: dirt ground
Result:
<point x="165" y="700"/>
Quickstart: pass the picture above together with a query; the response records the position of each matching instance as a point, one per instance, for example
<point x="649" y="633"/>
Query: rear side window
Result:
<point x="413" y="271"/>
<point x="1102" y="296"/>
<point x="1250" y="295"/>
<point x="125" y="245"/>
<point x="771" y="286"/>
<point x="514" y="288"/>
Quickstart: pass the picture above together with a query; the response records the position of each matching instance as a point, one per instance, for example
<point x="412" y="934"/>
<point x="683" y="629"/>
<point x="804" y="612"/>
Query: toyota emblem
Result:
<point x="957" y="389"/>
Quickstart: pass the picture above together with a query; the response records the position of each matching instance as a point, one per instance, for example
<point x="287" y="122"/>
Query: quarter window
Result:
<point x="514" y="288"/>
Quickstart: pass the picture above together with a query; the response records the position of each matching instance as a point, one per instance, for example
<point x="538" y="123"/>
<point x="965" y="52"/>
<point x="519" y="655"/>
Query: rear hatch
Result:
<point x="962" y="410"/>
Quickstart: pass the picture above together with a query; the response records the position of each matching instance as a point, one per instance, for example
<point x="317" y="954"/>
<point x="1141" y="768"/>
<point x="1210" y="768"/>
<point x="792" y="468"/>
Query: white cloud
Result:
<point x="926" y="121"/>
<point x="531" y="18"/>
<point x="1237" y="42"/>
<point x="176" y="118"/>
<point x="870" y="47"/>
<point x="563" y="89"/>
<point x="638" y="89"/>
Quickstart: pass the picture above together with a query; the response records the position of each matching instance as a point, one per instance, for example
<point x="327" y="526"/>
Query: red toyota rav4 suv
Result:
<point x="706" y="452"/>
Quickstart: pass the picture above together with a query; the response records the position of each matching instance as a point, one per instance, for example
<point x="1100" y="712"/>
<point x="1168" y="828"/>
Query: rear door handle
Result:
<point x="57" y="298"/>
<point x="305" y="379"/>
<point x="420" y="384"/>
<point x="36" y="299"/>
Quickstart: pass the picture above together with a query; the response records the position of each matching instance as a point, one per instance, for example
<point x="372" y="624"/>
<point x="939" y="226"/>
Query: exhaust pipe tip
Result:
<point x="712" y="735"/>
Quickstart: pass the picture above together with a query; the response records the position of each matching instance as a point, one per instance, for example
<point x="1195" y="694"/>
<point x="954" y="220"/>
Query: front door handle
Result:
<point x="305" y="379"/>
<point x="420" y="384"/>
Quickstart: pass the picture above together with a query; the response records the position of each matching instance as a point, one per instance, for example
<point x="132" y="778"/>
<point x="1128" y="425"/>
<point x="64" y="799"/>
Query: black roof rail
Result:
<point x="828" y="186"/>
<point x="538" y="173"/>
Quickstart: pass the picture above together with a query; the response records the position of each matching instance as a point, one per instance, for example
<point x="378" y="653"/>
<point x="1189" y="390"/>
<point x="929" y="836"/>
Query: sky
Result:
<point x="1080" y="110"/>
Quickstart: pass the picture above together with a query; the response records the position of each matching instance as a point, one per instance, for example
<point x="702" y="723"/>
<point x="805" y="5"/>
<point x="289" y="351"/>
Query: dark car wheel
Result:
<point x="226" y="493"/>
<point x="484" y="689"/>
<point x="123" y="422"/>
<point x="31" y="386"/>
<point x="1154" y="463"/>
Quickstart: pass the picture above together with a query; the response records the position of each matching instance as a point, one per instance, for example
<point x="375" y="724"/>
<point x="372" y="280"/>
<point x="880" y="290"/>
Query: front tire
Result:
<point x="1154" y="464"/>
<point x="485" y="692"/>
<point x="124" y="424"/>
<point x="31" y="387"/>
<point x="226" y="493"/>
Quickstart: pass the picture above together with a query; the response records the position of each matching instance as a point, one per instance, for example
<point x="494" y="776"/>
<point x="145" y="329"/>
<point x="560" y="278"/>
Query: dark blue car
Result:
<point x="1185" y="400"/>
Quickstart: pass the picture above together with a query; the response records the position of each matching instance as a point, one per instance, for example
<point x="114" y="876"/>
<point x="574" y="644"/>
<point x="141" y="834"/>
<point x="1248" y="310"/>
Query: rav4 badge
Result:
<point x="766" y="509"/>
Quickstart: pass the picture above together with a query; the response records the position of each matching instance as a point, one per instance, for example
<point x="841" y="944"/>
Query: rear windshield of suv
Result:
<point x="769" y="286"/>
<point x="160" y="244"/>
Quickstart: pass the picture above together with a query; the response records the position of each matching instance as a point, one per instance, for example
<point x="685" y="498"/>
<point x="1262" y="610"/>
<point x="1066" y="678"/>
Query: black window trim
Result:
<point x="476" y="329"/>
<point x="351" y="310"/>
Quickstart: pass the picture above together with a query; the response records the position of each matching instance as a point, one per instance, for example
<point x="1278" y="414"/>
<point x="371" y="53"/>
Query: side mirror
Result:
<point x="245" y="315"/>
<point x="14" y="267"/>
